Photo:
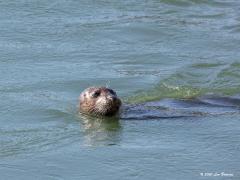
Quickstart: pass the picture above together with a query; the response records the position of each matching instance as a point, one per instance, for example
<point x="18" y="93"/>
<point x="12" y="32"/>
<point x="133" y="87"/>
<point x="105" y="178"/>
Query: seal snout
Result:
<point x="112" y="98"/>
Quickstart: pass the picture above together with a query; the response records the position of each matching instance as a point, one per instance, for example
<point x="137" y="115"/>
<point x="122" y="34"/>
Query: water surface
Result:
<point x="163" y="51"/>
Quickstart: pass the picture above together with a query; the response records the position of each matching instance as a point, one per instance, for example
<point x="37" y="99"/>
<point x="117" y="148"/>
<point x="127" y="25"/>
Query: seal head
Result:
<point x="99" y="101"/>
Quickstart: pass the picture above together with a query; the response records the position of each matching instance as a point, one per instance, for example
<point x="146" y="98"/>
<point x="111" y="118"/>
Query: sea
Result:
<point x="164" y="52"/>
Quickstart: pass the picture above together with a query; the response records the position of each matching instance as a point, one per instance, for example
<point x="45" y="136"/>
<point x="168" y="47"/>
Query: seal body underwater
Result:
<point x="100" y="101"/>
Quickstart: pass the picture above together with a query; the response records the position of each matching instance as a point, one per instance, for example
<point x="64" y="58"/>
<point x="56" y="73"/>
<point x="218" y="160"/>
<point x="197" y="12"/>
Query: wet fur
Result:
<point x="106" y="104"/>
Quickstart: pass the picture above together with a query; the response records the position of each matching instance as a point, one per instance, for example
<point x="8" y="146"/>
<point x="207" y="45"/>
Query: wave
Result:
<point x="194" y="81"/>
<point x="196" y="2"/>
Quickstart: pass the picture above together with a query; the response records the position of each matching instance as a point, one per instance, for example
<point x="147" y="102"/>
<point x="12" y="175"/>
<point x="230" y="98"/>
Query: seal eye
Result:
<point x="96" y="94"/>
<point x="111" y="91"/>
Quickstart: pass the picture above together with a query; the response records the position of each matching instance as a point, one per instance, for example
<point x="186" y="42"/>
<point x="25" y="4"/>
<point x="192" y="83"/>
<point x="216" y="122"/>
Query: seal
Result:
<point x="103" y="101"/>
<point x="99" y="101"/>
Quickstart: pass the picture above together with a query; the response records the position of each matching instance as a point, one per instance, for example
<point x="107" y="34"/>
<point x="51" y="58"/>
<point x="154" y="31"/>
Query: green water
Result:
<point x="145" y="50"/>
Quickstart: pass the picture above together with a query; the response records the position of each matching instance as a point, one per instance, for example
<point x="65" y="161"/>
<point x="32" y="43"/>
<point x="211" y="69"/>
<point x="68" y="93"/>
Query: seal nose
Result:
<point x="113" y="98"/>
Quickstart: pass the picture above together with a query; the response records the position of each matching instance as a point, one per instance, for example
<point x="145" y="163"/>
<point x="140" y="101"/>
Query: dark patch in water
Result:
<point x="182" y="108"/>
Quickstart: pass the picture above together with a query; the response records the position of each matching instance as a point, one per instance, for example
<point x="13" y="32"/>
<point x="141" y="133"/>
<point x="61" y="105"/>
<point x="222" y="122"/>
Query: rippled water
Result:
<point x="166" y="52"/>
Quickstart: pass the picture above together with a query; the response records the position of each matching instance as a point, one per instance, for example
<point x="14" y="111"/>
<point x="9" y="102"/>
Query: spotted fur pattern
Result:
<point x="99" y="101"/>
